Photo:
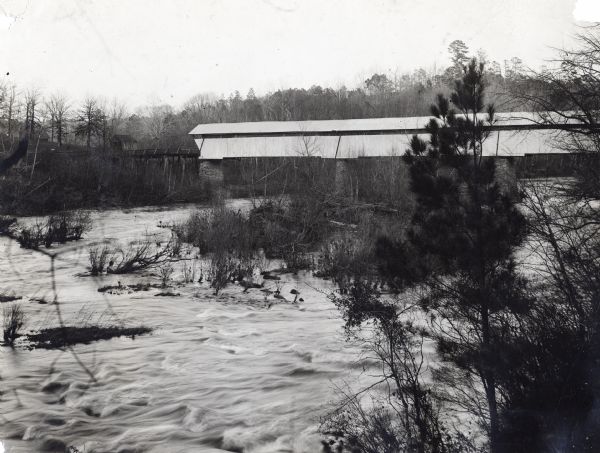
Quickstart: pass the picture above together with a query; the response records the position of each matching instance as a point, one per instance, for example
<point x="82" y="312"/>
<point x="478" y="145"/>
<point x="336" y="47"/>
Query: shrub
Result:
<point x="165" y="271"/>
<point x="286" y="232"/>
<point x="32" y="237"/>
<point x="138" y="255"/>
<point x="289" y="232"/>
<point x="356" y="253"/>
<point x="307" y="218"/>
<point x="225" y="268"/>
<point x="176" y="244"/>
<point x="216" y="229"/>
<point x="282" y="233"/>
<point x="68" y="226"/>
<point x="222" y="270"/>
<point x="344" y="258"/>
<point x="98" y="259"/>
<point x="267" y="222"/>
<point x="6" y="222"/>
<point x="246" y="267"/>
<point x="297" y="258"/>
<point x="14" y="320"/>
<point x="58" y="228"/>
<point x="84" y="179"/>
<point x="374" y="431"/>
<point x="192" y="229"/>
<point x="188" y="271"/>
<point x="374" y="427"/>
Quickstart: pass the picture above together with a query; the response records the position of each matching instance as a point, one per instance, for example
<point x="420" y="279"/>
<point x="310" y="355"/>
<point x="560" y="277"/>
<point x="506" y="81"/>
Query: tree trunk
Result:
<point x="59" y="132"/>
<point x="10" y="109"/>
<point x="27" y="130"/>
<point x="32" y="120"/>
<point x="489" y="379"/>
<point x="487" y="374"/>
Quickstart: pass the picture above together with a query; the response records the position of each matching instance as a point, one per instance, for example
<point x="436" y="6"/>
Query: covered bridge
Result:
<point x="513" y="134"/>
<point x="520" y="142"/>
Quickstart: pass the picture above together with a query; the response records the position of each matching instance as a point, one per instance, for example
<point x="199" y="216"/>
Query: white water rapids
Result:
<point x="218" y="373"/>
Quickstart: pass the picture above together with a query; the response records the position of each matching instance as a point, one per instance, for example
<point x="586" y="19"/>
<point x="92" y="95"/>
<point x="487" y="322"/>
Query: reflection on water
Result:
<point x="219" y="373"/>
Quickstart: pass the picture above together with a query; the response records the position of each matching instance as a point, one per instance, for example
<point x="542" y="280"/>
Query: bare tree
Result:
<point x="564" y="225"/>
<point x="3" y="96"/>
<point x="32" y="100"/>
<point x="89" y="121"/>
<point x="117" y="113"/>
<point x="102" y="114"/>
<point x="200" y="107"/>
<point x="158" y="120"/>
<point x="58" y="108"/>
<point x="410" y="418"/>
<point x="567" y="98"/>
<point x="11" y="110"/>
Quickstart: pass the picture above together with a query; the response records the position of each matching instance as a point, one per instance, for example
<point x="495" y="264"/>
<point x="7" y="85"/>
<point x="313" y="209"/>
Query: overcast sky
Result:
<point x="150" y="51"/>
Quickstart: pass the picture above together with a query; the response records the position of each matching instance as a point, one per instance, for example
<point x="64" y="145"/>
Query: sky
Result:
<point x="165" y="51"/>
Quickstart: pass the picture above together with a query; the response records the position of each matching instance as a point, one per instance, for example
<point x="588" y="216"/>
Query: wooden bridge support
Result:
<point x="365" y="177"/>
<point x="342" y="177"/>
<point x="212" y="171"/>
<point x="506" y="176"/>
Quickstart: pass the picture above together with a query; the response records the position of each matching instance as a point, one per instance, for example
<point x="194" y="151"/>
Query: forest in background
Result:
<point x="93" y="123"/>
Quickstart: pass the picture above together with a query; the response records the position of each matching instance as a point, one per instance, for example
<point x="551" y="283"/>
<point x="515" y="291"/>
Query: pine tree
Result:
<point x="465" y="229"/>
<point x="459" y="55"/>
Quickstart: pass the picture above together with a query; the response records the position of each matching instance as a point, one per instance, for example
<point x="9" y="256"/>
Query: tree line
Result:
<point x="94" y="121"/>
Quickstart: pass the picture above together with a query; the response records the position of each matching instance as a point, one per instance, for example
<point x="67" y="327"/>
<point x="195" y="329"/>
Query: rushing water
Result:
<point x="218" y="373"/>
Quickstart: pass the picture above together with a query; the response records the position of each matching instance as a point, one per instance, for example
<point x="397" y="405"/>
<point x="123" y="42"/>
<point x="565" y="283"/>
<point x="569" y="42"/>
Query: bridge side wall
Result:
<point x="499" y="143"/>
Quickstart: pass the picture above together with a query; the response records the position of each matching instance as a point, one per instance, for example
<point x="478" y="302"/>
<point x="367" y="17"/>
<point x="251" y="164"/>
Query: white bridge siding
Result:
<point x="513" y="134"/>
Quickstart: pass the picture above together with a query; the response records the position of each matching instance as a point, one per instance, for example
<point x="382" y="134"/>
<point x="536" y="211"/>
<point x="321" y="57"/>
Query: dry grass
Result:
<point x="59" y="228"/>
<point x="13" y="321"/>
